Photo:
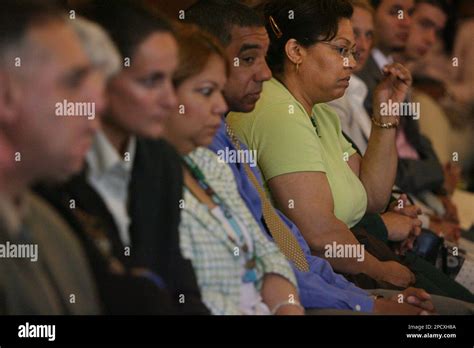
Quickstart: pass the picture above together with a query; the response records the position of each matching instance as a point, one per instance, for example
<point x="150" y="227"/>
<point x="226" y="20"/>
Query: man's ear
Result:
<point x="294" y="51"/>
<point x="9" y="97"/>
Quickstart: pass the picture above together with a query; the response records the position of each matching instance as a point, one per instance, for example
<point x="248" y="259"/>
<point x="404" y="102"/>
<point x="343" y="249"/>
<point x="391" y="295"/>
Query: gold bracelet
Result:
<point x="387" y="125"/>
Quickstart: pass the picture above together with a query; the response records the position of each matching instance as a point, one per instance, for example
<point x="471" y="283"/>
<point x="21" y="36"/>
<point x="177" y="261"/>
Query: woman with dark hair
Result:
<point x="313" y="173"/>
<point x="126" y="202"/>
<point x="239" y="270"/>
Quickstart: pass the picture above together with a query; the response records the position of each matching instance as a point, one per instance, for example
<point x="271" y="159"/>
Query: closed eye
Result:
<point x="152" y="80"/>
<point x="249" y="60"/>
<point x="206" y="91"/>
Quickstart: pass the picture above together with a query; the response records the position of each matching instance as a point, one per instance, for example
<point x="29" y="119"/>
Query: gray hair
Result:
<point x="98" y="46"/>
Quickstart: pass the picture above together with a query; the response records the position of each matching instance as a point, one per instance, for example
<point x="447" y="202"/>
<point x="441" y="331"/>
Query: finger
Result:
<point x="390" y="71"/>
<point x="403" y="70"/>
<point x="428" y="305"/>
<point x="417" y="223"/>
<point x="411" y="211"/>
<point x="413" y="300"/>
<point x="419" y="293"/>
<point x="417" y="231"/>
<point x="393" y="70"/>
<point x="418" y="210"/>
<point x="391" y="76"/>
<point x="420" y="298"/>
<point x="413" y="278"/>
<point x="402" y="75"/>
<point x="404" y="198"/>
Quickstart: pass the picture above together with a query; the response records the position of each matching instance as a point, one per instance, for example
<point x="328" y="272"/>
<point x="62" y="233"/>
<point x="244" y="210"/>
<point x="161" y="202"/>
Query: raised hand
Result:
<point x="394" y="86"/>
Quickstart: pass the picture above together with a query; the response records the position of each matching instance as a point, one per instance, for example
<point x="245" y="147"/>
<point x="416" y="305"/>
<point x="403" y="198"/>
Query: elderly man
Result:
<point x="43" y="269"/>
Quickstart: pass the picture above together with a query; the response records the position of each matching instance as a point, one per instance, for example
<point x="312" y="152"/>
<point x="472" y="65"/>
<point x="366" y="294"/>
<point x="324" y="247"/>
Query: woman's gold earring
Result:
<point x="297" y="68"/>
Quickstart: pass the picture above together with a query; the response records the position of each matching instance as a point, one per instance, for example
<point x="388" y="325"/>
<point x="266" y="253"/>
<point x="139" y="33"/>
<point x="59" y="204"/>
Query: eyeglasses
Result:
<point x="344" y="52"/>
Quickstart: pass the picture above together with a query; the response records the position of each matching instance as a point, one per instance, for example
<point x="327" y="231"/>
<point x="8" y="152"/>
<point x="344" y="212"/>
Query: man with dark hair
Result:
<point x="419" y="171"/>
<point x="418" y="166"/>
<point x="41" y="64"/>
<point x="392" y="22"/>
<point x="210" y="16"/>
<point x="428" y="22"/>
<point x="319" y="286"/>
<point x="242" y="32"/>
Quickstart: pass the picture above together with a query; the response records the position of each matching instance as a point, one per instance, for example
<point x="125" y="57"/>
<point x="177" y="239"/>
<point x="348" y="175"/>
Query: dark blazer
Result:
<point x="155" y="194"/>
<point x="413" y="176"/>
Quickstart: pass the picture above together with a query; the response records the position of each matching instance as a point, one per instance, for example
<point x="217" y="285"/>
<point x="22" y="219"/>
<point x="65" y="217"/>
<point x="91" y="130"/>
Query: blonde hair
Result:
<point x="363" y="4"/>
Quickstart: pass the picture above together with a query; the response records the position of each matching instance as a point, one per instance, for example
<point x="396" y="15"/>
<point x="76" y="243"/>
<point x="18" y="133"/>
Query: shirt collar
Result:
<point x="103" y="157"/>
<point x="357" y="88"/>
<point x="291" y="98"/>
<point x="381" y="59"/>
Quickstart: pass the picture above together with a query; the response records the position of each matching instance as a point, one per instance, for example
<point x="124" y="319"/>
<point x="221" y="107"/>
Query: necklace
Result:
<point x="250" y="274"/>
<point x="315" y="124"/>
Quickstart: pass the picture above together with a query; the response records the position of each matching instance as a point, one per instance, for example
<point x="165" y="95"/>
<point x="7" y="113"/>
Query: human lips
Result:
<point x="402" y="36"/>
<point x="161" y="116"/>
<point x="214" y="127"/>
<point x="255" y="94"/>
<point x="345" y="80"/>
<point x="422" y="51"/>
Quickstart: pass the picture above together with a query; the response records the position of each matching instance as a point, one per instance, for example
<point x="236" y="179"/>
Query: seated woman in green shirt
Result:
<point x="239" y="271"/>
<point x="314" y="175"/>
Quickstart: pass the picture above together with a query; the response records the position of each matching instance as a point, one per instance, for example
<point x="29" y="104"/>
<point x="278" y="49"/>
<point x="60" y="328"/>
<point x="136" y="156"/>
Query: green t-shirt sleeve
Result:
<point x="286" y="142"/>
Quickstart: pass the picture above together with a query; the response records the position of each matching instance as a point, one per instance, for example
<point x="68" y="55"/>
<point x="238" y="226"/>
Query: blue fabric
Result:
<point x="318" y="288"/>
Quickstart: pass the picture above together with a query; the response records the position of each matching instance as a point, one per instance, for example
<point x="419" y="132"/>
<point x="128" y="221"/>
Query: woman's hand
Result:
<point x="394" y="86"/>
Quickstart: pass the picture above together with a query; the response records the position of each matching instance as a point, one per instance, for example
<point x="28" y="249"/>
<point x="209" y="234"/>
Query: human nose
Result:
<point x="169" y="99"/>
<point x="263" y="73"/>
<point x="221" y="106"/>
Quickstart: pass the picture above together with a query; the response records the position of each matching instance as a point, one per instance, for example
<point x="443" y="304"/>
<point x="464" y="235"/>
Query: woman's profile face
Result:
<point x="141" y="96"/>
<point x="201" y="107"/>
<point x="325" y="71"/>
